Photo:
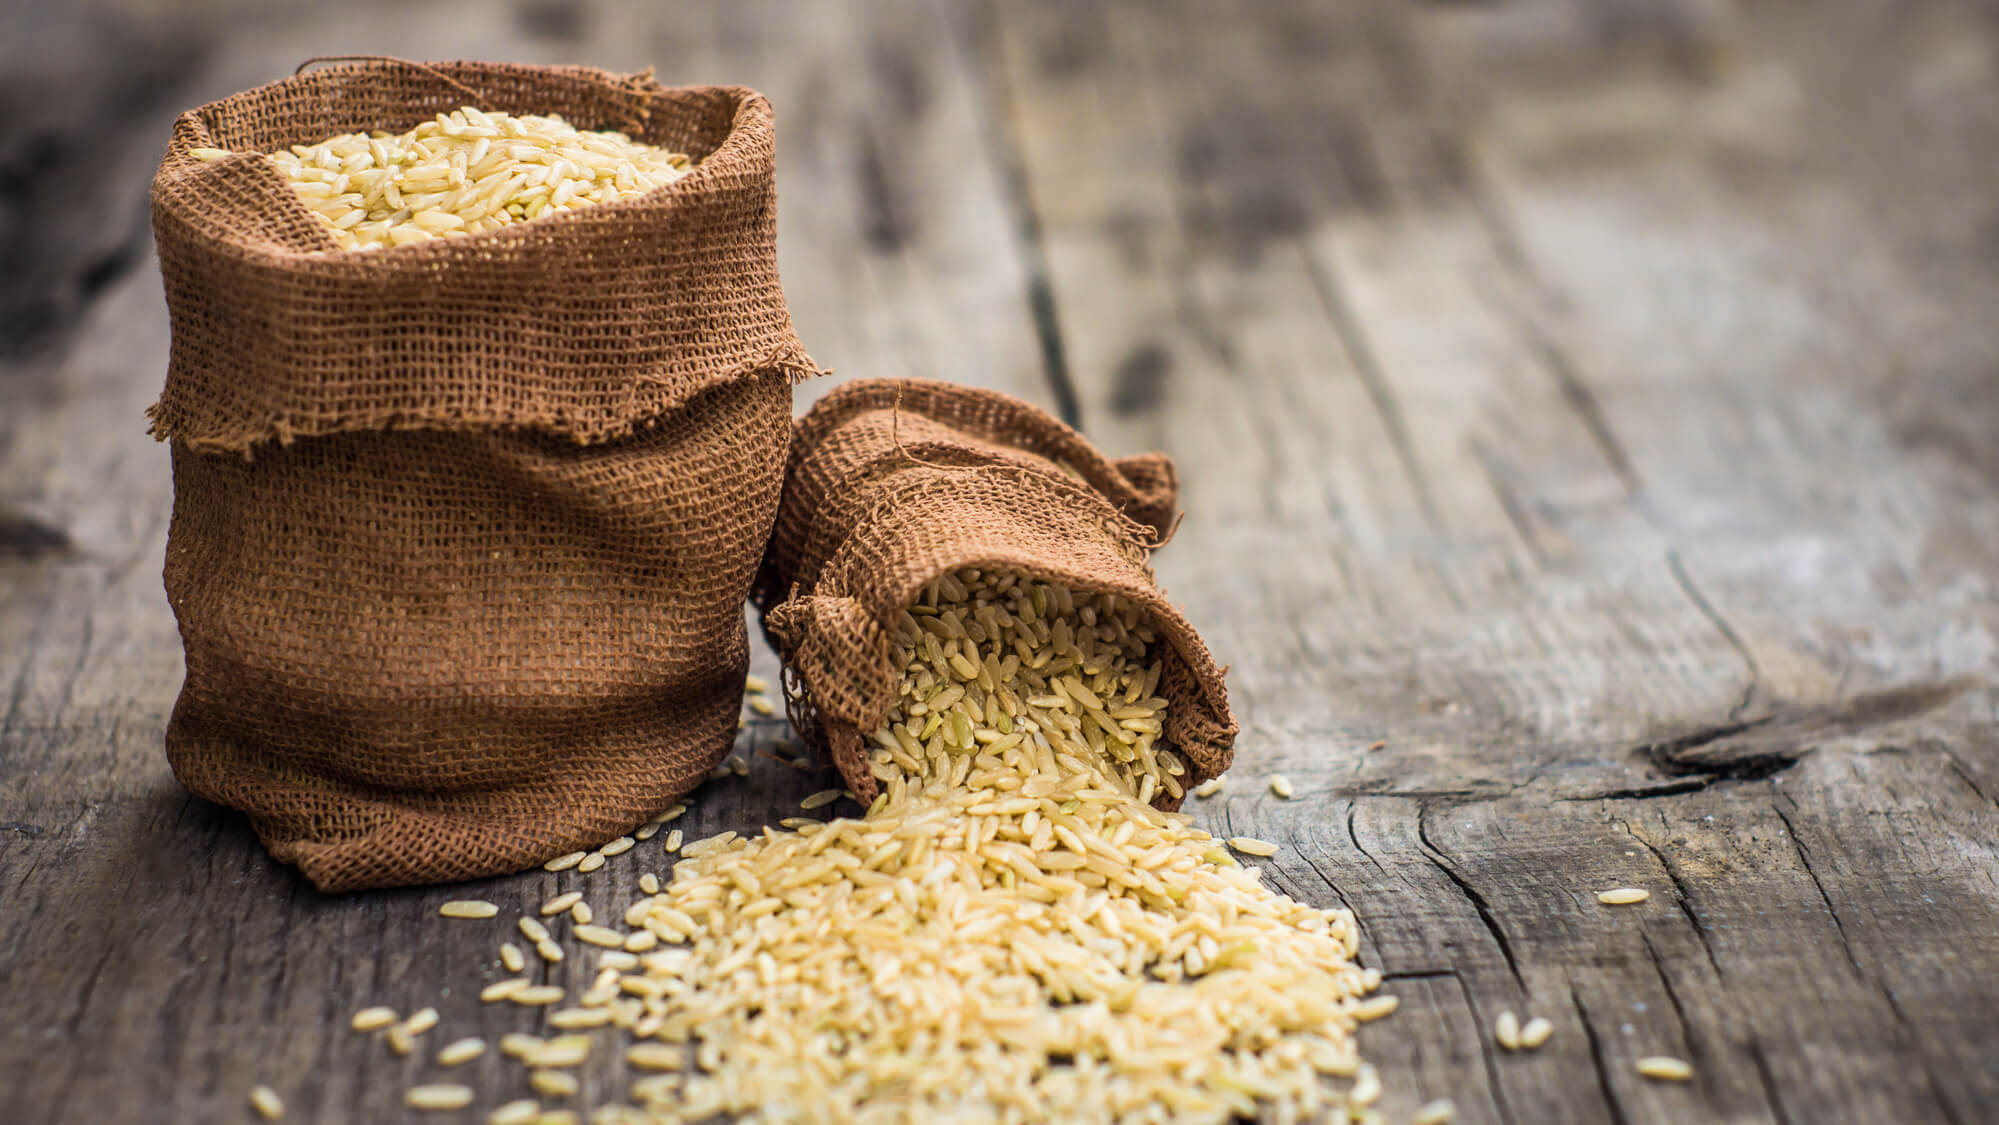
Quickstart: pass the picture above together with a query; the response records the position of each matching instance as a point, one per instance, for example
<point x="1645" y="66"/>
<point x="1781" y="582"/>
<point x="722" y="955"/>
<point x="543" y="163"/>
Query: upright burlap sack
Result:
<point x="462" y="530"/>
<point x="894" y="482"/>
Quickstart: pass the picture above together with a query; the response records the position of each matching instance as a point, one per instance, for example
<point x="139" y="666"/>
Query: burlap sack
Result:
<point x="893" y="482"/>
<point x="462" y="530"/>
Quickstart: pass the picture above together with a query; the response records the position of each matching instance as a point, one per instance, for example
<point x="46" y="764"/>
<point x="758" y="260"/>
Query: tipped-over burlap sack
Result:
<point x="462" y="530"/>
<point x="894" y="482"/>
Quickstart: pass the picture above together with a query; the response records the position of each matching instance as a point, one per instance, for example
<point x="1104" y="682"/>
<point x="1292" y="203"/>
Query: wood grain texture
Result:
<point x="1590" y="403"/>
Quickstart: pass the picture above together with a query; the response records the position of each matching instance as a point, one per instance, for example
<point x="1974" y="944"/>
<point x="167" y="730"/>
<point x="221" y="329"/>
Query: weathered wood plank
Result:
<point x="161" y="963"/>
<point x="1607" y="511"/>
<point x="1588" y="401"/>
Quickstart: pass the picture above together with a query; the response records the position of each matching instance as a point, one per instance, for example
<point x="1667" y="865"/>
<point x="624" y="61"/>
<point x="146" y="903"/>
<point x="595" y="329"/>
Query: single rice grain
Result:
<point x="553" y="1083"/>
<point x="1535" y="1032"/>
<point x="372" y="1019"/>
<point x="1250" y="845"/>
<point x="502" y="989"/>
<point x="1623" y="896"/>
<point x="266" y="1102"/>
<point x="1506" y="1030"/>
<point x="468" y="908"/>
<point x="1665" y="1068"/>
<point x="1375" y="1008"/>
<point x="461" y="1051"/>
<point x="439" y="1095"/>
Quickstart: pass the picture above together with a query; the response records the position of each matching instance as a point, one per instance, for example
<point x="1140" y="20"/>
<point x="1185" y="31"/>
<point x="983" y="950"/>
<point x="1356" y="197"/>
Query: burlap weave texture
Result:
<point x="462" y="530"/>
<point x="894" y="482"/>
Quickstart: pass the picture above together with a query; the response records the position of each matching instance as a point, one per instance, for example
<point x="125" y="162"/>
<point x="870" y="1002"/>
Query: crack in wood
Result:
<point x="1721" y="624"/>
<point x="1761" y="1060"/>
<point x="1368" y="366"/>
<point x="1859" y="972"/>
<point x="1471" y="894"/>
<point x="1487" y="1056"/>
<point x="1757" y="748"/>
<point x="1617" y="1114"/>
<point x="1682" y="895"/>
<point x="25" y="537"/>
<point x="1017" y="196"/>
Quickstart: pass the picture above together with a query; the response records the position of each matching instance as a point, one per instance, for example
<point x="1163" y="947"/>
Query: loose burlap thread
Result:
<point x="892" y="483"/>
<point x="462" y="530"/>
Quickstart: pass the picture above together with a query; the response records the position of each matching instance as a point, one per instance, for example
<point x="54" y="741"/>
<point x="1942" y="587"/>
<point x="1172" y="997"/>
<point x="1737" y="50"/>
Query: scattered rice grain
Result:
<point x="461" y="1051"/>
<point x="1535" y="1032"/>
<point x="438" y="1095"/>
<point x="1665" y="1068"/>
<point x="266" y="1102"/>
<point x="1506" y="1030"/>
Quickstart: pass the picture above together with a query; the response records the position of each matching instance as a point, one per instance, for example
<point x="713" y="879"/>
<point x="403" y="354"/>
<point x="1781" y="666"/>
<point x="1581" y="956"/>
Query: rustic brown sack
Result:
<point x="894" y="482"/>
<point x="462" y="530"/>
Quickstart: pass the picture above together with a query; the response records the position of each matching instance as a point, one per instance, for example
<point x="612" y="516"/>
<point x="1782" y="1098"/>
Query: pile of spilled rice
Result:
<point x="1011" y="933"/>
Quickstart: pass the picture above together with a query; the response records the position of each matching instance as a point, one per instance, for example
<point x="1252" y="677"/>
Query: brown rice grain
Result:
<point x="1665" y="1068"/>
<point x="461" y="1051"/>
<point x="1535" y="1032"/>
<point x="468" y="908"/>
<point x="372" y="1019"/>
<point x="266" y="1102"/>
<point x="502" y="989"/>
<point x="600" y="935"/>
<point x="1506" y="1030"/>
<point x="1623" y="896"/>
<point x="438" y="1095"/>
<point x="553" y="1083"/>
<point x="1375" y="1008"/>
<point x="561" y="902"/>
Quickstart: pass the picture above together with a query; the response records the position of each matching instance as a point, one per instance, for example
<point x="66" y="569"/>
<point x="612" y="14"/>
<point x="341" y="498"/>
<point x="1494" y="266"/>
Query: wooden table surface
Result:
<point x="1587" y="411"/>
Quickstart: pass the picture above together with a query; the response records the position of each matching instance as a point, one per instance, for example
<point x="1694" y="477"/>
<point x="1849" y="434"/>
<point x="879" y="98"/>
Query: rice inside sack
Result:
<point x="462" y="529"/>
<point x="463" y="172"/>
<point x="1008" y="935"/>
<point x="894" y="484"/>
